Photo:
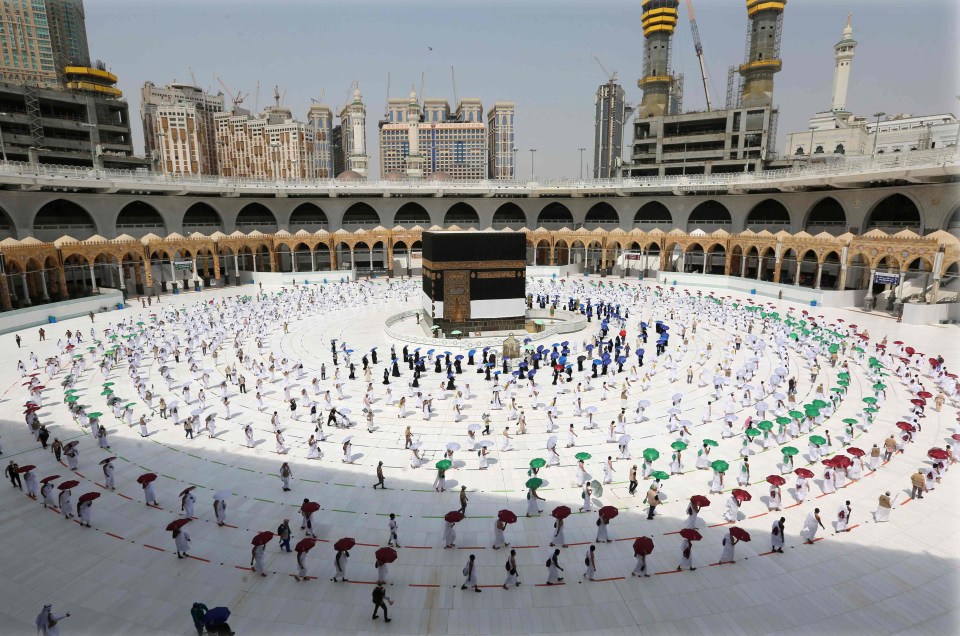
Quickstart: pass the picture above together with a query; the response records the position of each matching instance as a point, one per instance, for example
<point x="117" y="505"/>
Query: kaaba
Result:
<point x="474" y="281"/>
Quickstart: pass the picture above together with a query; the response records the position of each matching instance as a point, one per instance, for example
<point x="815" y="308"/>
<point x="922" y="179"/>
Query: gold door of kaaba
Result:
<point x="456" y="295"/>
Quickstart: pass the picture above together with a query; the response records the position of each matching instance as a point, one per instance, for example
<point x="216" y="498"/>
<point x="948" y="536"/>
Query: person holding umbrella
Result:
<point x="181" y="540"/>
<point x="340" y="565"/>
<point x="642" y="546"/>
<point x="686" y="548"/>
<point x="30" y="478"/>
<point x="558" y="537"/>
<point x="303" y="546"/>
<point x="149" y="496"/>
<point x="84" y="503"/>
<point x="532" y="497"/>
<point x="499" y="539"/>
<point x="46" y="491"/>
<point x="66" y="504"/>
<point x="728" y="542"/>
<point x="187" y="500"/>
<point x="257" y="553"/>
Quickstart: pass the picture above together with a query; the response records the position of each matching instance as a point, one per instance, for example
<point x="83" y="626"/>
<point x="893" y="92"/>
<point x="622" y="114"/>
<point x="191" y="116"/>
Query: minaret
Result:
<point x="414" y="160"/>
<point x="659" y="19"/>
<point x="358" y="121"/>
<point x="763" y="53"/>
<point x="843" y="55"/>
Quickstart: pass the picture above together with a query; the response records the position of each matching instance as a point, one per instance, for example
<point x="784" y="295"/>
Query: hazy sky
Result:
<point x="537" y="53"/>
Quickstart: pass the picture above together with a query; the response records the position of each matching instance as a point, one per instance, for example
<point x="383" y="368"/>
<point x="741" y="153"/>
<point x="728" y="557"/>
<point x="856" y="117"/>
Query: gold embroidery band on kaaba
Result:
<point x="498" y="274"/>
<point x="474" y="265"/>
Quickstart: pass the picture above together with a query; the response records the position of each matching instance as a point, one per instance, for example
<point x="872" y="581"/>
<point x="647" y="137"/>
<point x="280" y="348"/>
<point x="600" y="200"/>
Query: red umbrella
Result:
<point x="310" y="507"/>
<point x="107" y="460"/>
<point x="926" y="395"/>
<point x="898" y="342"/>
<point x="690" y="533"/>
<point x="623" y="333"/>
<point x="910" y="351"/>
<point x="938" y="453"/>
<point x="345" y="543"/>
<point x="933" y="362"/>
<point x="561" y="512"/>
<point x="70" y="445"/>
<point x="26" y="469"/>
<point x="842" y="461"/>
<point x="186" y="490"/>
<point x="881" y="346"/>
<point x="856" y="452"/>
<point x="146" y="478"/>
<point x="507" y="516"/>
<point x="454" y="516"/>
<point x="50" y="478"/>
<point x="741" y="495"/>
<point x="699" y="501"/>
<point x="739" y="534"/>
<point x="88" y="496"/>
<point x="806" y="473"/>
<point x="955" y="437"/>
<point x="776" y="480"/>
<point x="905" y="426"/>
<point x="262" y="538"/>
<point x="386" y="555"/>
<point x="609" y="512"/>
<point x="306" y="544"/>
<point x="176" y="524"/>
<point x="70" y="483"/>
<point x="643" y="546"/>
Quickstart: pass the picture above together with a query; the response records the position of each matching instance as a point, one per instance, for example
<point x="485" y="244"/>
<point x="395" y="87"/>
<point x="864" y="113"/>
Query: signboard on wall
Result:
<point x="886" y="279"/>
<point x="182" y="266"/>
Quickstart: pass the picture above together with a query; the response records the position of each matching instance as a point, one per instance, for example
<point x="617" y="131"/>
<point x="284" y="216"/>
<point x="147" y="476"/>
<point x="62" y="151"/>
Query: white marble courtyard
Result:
<point x="122" y="575"/>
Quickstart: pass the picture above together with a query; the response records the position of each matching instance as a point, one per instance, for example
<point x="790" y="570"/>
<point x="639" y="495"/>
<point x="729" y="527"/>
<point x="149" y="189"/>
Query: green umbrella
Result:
<point x="844" y="382"/>
<point x="534" y="482"/>
<point x="140" y="324"/>
<point x="843" y="375"/>
<point x="837" y="389"/>
<point x="795" y="336"/>
<point x="833" y="349"/>
<point x="819" y="404"/>
<point x="783" y="420"/>
<point x="95" y="414"/>
<point x="879" y="386"/>
<point x="583" y="456"/>
<point x="651" y="454"/>
<point x="816" y="439"/>
<point x="537" y="462"/>
<point x="710" y="442"/>
<point x="796" y="414"/>
<point x="752" y="432"/>
<point x="789" y="451"/>
<point x="858" y="349"/>
<point x="765" y="425"/>
<point x="849" y="420"/>
<point x="870" y="409"/>
<point x="812" y="412"/>
<point x="70" y="391"/>
<point x="79" y="356"/>
<point x="679" y="446"/>
<point x="444" y="464"/>
<point x="106" y="392"/>
<point x="108" y="384"/>
<point x="72" y="398"/>
<point x="870" y="400"/>
<point x="659" y="474"/>
<point x="129" y="404"/>
<point x="720" y="466"/>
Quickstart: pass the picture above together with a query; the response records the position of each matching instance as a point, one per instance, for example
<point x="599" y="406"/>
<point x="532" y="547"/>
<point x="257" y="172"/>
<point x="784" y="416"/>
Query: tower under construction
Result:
<point x="659" y="20"/>
<point x="762" y="59"/>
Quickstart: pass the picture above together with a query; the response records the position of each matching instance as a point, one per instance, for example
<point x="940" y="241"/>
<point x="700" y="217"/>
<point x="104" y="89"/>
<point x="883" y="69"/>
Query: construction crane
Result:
<point x="612" y="77"/>
<point x="319" y="100"/>
<point x="699" y="48"/>
<point x="236" y="98"/>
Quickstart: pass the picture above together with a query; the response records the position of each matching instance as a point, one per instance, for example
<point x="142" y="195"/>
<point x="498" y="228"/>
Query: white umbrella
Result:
<point x="677" y="396"/>
<point x="474" y="427"/>
<point x="731" y="418"/>
<point x="344" y="410"/>
<point x="172" y="403"/>
<point x="221" y="495"/>
<point x="551" y="441"/>
<point x="780" y="371"/>
<point x="347" y="439"/>
<point x="453" y="446"/>
<point x="486" y="442"/>
<point x="552" y="410"/>
<point x="198" y="412"/>
<point x="686" y="423"/>
<point x="624" y="440"/>
<point x="643" y="404"/>
<point x="416" y="445"/>
<point x="748" y="387"/>
<point x="762" y="406"/>
<point x="779" y="396"/>
<point x="673" y="411"/>
<point x="590" y="409"/>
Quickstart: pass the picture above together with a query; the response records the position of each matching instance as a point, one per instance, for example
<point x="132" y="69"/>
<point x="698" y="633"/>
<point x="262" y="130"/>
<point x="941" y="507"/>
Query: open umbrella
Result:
<point x="583" y="456"/>
<point x="905" y="426"/>
<point x="806" y="473"/>
<point x="94" y="415"/>
<point x="710" y="442"/>
<point x="691" y="534"/>
<point x="507" y="516"/>
<point x="444" y="464"/>
<point x="560" y="512"/>
<point x="679" y="446"/>
<point x="534" y="482"/>
<point x="926" y="395"/>
<point x="789" y="451"/>
<point x="918" y="402"/>
<point x="453" y="446"/>
<point x="752" y="432"/>
<point x="608" y="512"/>
<point x="651" y="454"/>
<point x="955" y="437"/>
<point x="262" y="538"/>
<point x="739" y="534"/>
<point x="700" y="501"/>
<point x="88" y="496"/>
<point x="538" y="462"/>
<point x="776" y="480"/>
<point x="385" y="555"/>
<point x="454" y="516"/>
<point x="71" y="398"/>
<point x="661" y="475"/>
<point x="938" y="453"/>
<point x="50" y="478"/>
<point x="186" y="490"/>
<point x="305" y="544"/>
<point x="842" y="461"/>
<point x="26" y="469"/>
<point x="796" y="414"/>
<point x="176" y="524"/>
<point x="346" y="543"/>
<point x="741" y="495"/>
<point x="720" y="466"/>
<point x="643" y="546"/>
<point x="70" y="483"/>
<point x="816" y="439"/>
<point x="551" y="441"/>
<point x="856" y="452"/>
<point x="221" y="495"/>
<point x="310" y="507"/>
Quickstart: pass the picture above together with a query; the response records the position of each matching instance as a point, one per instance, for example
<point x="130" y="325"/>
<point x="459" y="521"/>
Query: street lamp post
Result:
<point x="810" y="153"/>
<point x="532" y="151"/>
<point x="876" y="133"/>
<point x="581" y="162"/>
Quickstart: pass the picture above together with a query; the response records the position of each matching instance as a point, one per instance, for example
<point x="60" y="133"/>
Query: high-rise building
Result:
<point x="271" y="145"/>
<point x="337" y="152"/>
<point x="763" y="51"/>
<point x="501" y="153"/>
<point x="40" y="38"/>
<point x="346" y="136"/>
<point x="659" y="19"/>
<point x="610" y="115"/>
<point x="183" y="139"/>
<point x="320" y="120"/>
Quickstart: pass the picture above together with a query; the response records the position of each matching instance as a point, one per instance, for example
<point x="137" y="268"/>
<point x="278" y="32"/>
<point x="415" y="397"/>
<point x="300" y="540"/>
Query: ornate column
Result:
<point x="819" y="274"/>
<point x="123" y="283"/>
<point x="93" y="279"/>
<point x="43" y="285"/>
<point x="4" y="294"/>
<point x="333" y="258"/>
<point x="313" y="260"/>
<point x="869" y="298"/>
<point x="62" y="281"/>
<point x="26" y="291"/>
<point x="293" y="261"/>
<point x="937" y="273"/>
<point x="743" y="265"/>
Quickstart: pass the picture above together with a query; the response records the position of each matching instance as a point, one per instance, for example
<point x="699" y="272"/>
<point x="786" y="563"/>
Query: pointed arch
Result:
<point x="411" y="214"/>
<point x="256" y="216"/>
<point x="202" y="217"/>
<point x="59" y="217"/>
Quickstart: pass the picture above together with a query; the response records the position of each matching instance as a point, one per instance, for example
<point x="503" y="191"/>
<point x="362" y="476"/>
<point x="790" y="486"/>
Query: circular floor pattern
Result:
<point x="122" y="574"/>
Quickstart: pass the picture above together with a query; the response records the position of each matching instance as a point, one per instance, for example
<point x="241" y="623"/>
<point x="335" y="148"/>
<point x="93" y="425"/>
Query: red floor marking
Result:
<point x="627" y="539"/>
<point x="78" y="474"/>
<point x="154" y="506"/>
<point x="906" y="501"/>
<point x="124" y="496"/>
<point x="580" y="543"/>
<point x="101" y="485"/>
<point x="674" y="532"/>
<point x="240" y="567"/>
<point x="799" y="503"/>
<point x="116" y="536"/>
<point x="525" y="547"/>
<point x="759" y="515"/>
<point x="308" y="578"/>
<point x="476" y="547"/>
<point x="422" y="585"/>
<point x="814" y="541"/>
<point x="545" y="585"/>
<point x="229" y="526"/>
<point x="856" y="525"/>
<point x="612" y="578"/>
<point x="198" y="559"/>
<point x="370" y="545"/>
<point x="716" y="525"/>
<point x="668" y="572"/>
<point x="362" y="582"/>
<point x="153" y="547"/>
<point x="723" y="563"/>
<point x="428" y="547"/>
<point x="766" y="553"/>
